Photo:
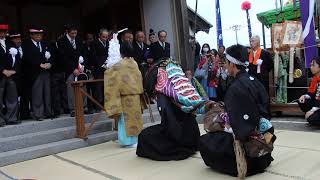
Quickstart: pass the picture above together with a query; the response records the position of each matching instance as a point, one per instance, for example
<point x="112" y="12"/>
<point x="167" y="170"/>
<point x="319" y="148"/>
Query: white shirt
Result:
<point x="162" y="44"/>
<point x="3" y="44"/>
<point x="20" y="51"/>
<point x="72" y="40"/>
<point x="140" y="45"/>
<point x="36" y="44"/>
<point x="103" y="43"/>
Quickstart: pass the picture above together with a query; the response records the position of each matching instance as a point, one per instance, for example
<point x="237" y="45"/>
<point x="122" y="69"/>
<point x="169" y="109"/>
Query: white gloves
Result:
<point x="13" y="51"/>
<point x="81" y="60"/>
<point x="47" y="55"/>
<point x="259" y="63"/>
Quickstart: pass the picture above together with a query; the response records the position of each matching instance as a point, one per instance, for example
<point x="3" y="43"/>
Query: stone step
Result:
<point x="48" y="136"/>
<point x="19" y="155"/>
<point x="37" y="126"/>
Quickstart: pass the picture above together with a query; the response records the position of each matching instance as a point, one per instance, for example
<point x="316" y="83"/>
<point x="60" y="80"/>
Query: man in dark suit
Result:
<point x="140" y="48"/>
<point x="100" y="50"/>
<point x="89" y="68"/>
<point x="70" y="48"/>
<point x="58" y="79"/>
<point x="10" y="62"/>
<point x="161" y="49"/>
<point x="38" y="63"/>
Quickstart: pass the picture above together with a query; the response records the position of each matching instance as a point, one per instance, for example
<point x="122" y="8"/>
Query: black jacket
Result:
<point x="139" y="53"/>
<point x="6" y="61"/>
<point x="246" y="101"/>
<point x="158" y="52"/>
<point x="100" y="53"/>
<point x="69" y="55"/>
<point x="32" y="58"/>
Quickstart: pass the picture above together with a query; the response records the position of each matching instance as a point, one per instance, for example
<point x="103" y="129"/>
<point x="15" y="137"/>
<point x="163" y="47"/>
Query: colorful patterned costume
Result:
<point x="172" y="82"/>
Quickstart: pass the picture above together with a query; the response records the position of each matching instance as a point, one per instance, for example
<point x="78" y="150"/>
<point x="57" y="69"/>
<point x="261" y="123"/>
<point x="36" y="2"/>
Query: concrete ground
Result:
<point x="296" y="154"/>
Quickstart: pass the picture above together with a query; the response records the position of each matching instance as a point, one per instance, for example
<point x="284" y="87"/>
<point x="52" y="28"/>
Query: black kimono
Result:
<point x="176" y="138"/>
<point x="246" y="101"/>
<point x="266" y="67"/>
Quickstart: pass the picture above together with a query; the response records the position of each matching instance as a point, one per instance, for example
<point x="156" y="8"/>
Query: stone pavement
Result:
<point x="296" y="154"/>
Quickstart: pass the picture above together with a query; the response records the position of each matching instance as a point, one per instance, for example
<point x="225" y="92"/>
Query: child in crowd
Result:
<point x="310" y="102"/>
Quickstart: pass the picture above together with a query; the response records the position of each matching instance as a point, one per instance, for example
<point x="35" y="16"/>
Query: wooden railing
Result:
<point x="79" y="93"/>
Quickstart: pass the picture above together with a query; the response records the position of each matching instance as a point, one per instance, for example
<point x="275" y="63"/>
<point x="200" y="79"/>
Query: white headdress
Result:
<point x="114" y="55"/>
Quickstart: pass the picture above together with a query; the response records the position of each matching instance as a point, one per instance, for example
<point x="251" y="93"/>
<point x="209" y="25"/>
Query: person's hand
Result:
<point x="302" y="99"/>
<point x="47" y="65"/>
<point x="308" y="114"/>
<point x="76" y="72"/>
<point x="43" y="66"/>
<point x="12" y="72"/>
<point x="6" y="73"/>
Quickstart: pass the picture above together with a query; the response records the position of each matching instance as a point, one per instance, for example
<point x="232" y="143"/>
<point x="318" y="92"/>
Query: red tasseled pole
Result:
<point x="246" y="5"/>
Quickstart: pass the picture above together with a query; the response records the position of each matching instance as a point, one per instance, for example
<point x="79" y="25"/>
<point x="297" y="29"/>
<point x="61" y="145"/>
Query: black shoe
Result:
<point x="14" y="122"/>
<point x="72" y="114"/>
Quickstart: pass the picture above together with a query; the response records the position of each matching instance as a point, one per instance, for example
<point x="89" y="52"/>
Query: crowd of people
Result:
<point x="36" y="74"/>
<point x="230" y="86"/>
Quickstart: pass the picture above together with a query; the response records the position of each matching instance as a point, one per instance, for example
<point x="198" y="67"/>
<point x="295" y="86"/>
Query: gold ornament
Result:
<point x="297" y="73"/>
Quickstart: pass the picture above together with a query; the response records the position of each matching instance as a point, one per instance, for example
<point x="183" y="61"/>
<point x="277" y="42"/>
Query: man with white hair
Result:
<point x="261" y="62"/>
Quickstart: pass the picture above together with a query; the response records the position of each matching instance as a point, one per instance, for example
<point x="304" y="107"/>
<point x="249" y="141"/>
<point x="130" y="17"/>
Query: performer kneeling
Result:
<point x="177" y="136"/>
<point x="123" y="89"/>
<point x="310" y="102"/>
<point x="243" y="130"/>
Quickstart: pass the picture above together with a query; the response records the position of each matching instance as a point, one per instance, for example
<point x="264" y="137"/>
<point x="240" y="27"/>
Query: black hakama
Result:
<point x="176" y="138"/>
<point x="245" y="102"/>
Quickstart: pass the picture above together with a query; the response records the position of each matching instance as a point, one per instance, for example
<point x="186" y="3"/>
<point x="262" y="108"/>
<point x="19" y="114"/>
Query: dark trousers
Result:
<point x="41" y="96"/>
<point x="90" y="90"/>
<point x="9" y="98"/>
<point x="314" y="119"/>
<point x="99" y="87"/>
<point x="59" y="93"/>
<point x="25" y="101"/>
<point x="70" y="94"/>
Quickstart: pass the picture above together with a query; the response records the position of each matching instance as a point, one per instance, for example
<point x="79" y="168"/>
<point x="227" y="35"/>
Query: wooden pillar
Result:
<point x="80" y="125"/>
<point x="181" y="31"/>
<point x="264" y="37"/>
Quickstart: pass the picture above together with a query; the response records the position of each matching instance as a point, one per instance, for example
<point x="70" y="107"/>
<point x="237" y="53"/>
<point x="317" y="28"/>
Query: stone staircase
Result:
<point x="33" y="139"/>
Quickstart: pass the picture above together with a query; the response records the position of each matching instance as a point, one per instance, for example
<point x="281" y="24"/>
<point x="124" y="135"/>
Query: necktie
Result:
<point x="141" y="46"/>
<point x="163" y="45"/>
<point x="3" y="45"/>
<point x="38" y="46"/>
<point x="73" y="44"/>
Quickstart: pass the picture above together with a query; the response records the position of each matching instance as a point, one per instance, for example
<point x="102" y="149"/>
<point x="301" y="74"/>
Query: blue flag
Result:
<point x="219" y="26"/>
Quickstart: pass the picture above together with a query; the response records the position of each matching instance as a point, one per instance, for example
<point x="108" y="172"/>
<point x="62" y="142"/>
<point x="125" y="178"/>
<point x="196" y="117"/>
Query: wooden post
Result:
<point x="79" y="110"/>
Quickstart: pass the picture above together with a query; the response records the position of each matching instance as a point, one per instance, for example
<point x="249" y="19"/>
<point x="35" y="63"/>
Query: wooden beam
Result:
<point x="181" y="30"/>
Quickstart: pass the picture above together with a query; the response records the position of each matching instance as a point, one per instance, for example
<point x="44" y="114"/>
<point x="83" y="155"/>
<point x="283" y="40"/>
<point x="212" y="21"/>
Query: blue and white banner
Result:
<point x="219" y="26"/>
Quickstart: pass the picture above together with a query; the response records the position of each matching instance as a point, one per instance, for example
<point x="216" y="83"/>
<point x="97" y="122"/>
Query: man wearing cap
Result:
<point x="9" y="67"/>
<point x="71" y="51"/>
<point x="37" y="62"/>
